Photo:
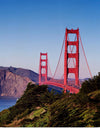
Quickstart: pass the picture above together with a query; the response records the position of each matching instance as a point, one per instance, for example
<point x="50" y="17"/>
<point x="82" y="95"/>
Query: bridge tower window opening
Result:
<point x="71" y="62"/>
<point x="71" y="79"/>
<point x="72" y="37"/>
<point x="71" y="49"/>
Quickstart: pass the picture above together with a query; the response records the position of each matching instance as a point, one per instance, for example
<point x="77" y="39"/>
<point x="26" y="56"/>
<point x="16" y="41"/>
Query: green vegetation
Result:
<point x="40" y="108"/>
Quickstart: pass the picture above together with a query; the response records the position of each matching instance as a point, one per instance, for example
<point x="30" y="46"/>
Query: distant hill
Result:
<point x="13" y="81"/>
<point x="22" y="72"/>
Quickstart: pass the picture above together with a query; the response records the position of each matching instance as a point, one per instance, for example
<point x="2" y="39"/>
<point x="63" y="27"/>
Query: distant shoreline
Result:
<point x="8" y="97"/>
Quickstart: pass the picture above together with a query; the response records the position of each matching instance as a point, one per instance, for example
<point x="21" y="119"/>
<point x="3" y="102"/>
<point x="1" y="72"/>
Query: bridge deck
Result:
<point x="65" y="87"/>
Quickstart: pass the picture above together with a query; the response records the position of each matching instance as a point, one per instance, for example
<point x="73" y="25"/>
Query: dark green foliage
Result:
<point x="40" y="108"/>
<point x="59" y="114"/>
<point x="30" y="99"/>
<point x="97" y="117"/>
<point x="34" y="96"/>
<point x="65" y="113"/>
<point x="4" y="117"/>
<point x="26" y="122"/>
<point x="50" y="97"/>
<point x="91" y="85"/>
<point x="78" y="110"/>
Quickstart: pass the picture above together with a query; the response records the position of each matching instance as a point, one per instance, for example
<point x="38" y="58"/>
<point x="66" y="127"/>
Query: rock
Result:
<point x="12" y="84"/>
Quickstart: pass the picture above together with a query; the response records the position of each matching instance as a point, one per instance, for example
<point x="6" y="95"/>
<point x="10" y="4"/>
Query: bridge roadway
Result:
<point x="71" y="89"/>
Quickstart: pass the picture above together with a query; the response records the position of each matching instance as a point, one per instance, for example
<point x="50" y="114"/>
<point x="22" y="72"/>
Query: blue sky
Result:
<point x="28" y="27"/>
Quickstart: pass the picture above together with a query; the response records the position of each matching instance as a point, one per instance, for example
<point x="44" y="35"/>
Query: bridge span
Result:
<point x="71" y="64"/>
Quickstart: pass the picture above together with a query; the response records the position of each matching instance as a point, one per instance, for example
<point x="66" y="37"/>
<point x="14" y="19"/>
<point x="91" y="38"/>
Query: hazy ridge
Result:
<point x="13" y="81"/>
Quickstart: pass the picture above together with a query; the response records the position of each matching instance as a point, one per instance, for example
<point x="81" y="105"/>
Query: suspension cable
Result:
<point x="85" y="57"/>
<point x="50" y="69"/>
<point x="59" y="57"/>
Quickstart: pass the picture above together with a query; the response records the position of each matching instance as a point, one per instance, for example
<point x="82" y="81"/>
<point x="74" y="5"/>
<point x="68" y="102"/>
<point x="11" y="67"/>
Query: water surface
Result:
<point x="6" y="102"/>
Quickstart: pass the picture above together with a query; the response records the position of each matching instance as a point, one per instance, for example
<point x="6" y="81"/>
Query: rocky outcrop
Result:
<point x="12" y="84"/>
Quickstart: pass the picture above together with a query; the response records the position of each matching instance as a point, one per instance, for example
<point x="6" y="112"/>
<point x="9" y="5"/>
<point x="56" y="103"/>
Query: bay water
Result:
<point x="6" y="102"/>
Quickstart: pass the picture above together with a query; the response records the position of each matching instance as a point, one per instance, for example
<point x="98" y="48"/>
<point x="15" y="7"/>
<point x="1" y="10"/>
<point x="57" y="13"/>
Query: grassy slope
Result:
<point x="38" y="108"/>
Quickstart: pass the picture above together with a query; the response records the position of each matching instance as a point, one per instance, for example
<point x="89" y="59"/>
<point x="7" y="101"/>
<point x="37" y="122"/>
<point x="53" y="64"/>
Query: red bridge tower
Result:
<point x="67" y="55"/>
<point x="43" y="67"/>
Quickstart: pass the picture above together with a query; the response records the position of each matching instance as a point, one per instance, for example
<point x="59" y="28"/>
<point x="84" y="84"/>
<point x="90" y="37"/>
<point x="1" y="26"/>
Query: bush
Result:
<point x="91" y="85"/>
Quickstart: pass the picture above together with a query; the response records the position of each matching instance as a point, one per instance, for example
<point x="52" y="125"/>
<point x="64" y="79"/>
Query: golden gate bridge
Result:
<point x="70" y="65"/>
